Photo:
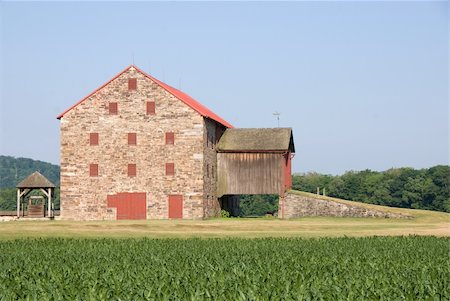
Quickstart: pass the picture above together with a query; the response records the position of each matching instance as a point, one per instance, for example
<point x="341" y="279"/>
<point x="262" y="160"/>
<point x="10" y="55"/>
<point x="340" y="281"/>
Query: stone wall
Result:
<point x="302" y="206"/>
<point x="83" y="197"/>
<point x="212" y="133"/>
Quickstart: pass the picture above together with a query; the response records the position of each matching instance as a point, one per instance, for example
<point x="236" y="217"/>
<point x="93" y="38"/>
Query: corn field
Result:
<point x="374" y="268"/>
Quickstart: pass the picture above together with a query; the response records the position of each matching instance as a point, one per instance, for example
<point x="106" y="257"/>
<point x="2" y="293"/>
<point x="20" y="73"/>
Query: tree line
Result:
<point x="427" y="188"/>
<point x="13" y="170"/>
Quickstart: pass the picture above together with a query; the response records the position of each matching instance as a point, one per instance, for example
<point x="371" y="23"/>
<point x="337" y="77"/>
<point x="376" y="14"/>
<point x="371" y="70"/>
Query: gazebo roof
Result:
<point x="35" y="180"/>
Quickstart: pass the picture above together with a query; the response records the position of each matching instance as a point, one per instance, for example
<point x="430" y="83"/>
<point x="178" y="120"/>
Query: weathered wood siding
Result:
<point x="250" y="173"/>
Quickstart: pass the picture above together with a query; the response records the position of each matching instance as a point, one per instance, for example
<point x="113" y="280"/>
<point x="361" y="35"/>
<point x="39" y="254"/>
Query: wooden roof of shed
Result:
<point x="35" y="180"/>
<point x="253" y="140"/>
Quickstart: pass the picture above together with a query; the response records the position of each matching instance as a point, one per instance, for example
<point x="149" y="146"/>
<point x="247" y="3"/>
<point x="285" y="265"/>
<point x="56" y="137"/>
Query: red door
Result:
<point x="175" y="206"/>
<point x="129" y="205"/>
<point x="287" y="168"/>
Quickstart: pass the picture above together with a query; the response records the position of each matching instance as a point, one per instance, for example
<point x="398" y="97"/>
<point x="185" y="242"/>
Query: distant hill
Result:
<point x="13" y="170"/>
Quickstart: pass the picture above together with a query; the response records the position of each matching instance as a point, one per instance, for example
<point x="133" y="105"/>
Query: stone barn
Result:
<point x="137" y="148"/>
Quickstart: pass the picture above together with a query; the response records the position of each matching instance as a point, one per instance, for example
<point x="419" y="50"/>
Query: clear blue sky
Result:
<point x="362" y="84"/>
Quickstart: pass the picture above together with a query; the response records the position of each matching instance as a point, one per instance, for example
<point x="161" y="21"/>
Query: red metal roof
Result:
<point x="198" y="107"/>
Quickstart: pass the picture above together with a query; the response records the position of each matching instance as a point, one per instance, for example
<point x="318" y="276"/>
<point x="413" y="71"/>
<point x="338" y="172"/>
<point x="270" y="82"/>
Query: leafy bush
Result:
<point x="224" y="213"/>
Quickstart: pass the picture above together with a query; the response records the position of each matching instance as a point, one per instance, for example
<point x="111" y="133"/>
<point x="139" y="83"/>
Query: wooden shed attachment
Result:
<point x="34" y="181"/>
<point x="255" y="161"/>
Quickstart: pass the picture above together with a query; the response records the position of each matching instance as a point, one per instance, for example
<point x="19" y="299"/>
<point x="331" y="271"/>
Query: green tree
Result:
<point x="258" y="205"/>
<point x="398" y="187"/>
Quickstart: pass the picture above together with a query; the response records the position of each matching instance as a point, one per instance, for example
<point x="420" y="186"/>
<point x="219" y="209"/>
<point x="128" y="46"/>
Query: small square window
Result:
<point x="131" y="170"/>
<point x="170" y="138"/>
<point x="93" y="170"/>
<point x="113" y="110"/>
<point x="170" y="169"/>
<point x="93" y="138"/>
<point x="132" y="84"/>
<point x="132" y="139"/>
<point x="150" y="108"/>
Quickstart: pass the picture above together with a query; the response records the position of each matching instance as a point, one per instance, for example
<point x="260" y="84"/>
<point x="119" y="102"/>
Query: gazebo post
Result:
<point x="48" y="194"/>
<point x="49" y="202"/>
<point x="18" y="202"/>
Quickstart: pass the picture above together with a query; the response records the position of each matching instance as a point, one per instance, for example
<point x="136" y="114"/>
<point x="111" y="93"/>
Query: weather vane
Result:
<point x="278" y="117"/>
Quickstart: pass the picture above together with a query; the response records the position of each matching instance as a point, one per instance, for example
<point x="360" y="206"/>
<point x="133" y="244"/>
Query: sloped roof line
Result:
<point x="201" y="109"/>
<point x="35" y="180"/>
<point x="93" y="92"/>
<point x="192" y="103"/>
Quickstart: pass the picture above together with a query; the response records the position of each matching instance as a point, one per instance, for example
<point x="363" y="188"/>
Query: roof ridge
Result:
<point x="277" y="128"/>
<point x="93" y="92"/>
<point x="185" y="98"/>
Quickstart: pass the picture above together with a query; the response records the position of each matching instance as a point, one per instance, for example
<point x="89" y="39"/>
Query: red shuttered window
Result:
<point x="150" y="108"/>
<point x="93" y="170"/>
<point x="93" y="138"/>
<point x="170" y="138"/>
<point x="132" y="139"/>
<point x="170" y="169"/>
<point x="132" y="84"/>
<point x="131" y="170"/>
<point x="113" y="110"/>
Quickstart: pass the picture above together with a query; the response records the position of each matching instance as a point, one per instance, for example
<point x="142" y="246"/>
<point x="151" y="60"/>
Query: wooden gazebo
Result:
<point x="35" y="181"/>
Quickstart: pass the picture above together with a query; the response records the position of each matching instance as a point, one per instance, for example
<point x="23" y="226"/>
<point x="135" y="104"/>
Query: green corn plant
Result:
<point x="373" y="268"/>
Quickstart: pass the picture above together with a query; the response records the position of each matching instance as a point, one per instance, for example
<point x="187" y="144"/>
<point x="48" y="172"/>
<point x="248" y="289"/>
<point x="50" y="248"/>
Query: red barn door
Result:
<point x="288" y="171"/>
<point x="175" y="206"/>
<point x="129" y="205"/>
